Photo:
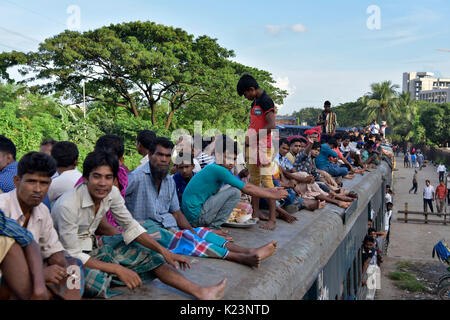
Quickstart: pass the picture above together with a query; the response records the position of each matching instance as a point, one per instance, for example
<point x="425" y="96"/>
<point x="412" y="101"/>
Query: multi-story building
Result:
<point x="417" y="83"/>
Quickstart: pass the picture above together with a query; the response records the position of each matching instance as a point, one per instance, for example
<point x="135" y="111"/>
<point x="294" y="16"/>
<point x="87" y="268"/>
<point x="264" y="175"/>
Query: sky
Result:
<point x="316" y="50"/>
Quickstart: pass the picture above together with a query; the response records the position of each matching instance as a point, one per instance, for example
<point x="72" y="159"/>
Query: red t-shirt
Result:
<point x="441" y="191"/>
<point x="260" y="108"/>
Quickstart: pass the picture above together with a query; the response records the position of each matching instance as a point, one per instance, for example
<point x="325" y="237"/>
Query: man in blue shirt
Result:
<point x="323" y="163"/>
<point x="203" y="204"/>
<point x="8" y="164"/>
<point x="184" y="175"/>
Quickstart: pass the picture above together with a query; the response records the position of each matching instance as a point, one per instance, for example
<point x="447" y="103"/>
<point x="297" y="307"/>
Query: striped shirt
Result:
<point x="204" y="159"/>
<point x="7" y="177"/>
<point x="10" y="228"/>
<point x="330" y="122"/>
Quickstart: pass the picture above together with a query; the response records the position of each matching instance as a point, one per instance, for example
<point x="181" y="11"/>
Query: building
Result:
<point x="433" y="88"/>
<point x="435" y="95"/>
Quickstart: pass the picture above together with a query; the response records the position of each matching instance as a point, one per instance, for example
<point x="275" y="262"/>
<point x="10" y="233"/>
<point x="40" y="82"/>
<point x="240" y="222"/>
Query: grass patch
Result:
<point x="400" y="275"/>
<point x="411" y="285"/>
<point x="404" y="265"/>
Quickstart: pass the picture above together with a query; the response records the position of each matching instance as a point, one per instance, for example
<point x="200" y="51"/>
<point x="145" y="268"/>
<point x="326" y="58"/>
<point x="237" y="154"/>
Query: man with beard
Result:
<point x="123" y="259"/>
<point x="152" y="199"/>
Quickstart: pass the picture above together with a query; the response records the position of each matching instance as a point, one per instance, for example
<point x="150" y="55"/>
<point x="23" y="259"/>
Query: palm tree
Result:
<point x="405" y="115"/>
<point x="382" y="101"/>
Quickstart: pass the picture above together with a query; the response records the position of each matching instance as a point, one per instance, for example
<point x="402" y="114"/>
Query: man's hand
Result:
<point x="172" y="259"/>
<point x="129" y="277"/>
<point x="54" y="274"/>
<point x="278" y="193"/>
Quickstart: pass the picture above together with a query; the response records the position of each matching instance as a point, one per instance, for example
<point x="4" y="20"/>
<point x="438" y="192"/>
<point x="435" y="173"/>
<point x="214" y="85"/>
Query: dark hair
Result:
<point x="371" y="230"/>
<point x="389" y="204"/>
<point x="368" y="239"/>
<point x="332" y="142"/>
<point x="112" y="144"/>
<point x="226" y="142"/>
<point x="245" y="83"/>
<point x="338" y="136"/>
<point x="327" y="103"/>
<point x="7" y="146"/>
<point x="36" y="162"/>
<point x="284" y="141"/>
<point x="146" y="137"/>
<point x="97" y="159"/>
<point x="65" y="153"/>
<point x="48" y="141"/>
<point x="427" y="181"/>
<point x="316" y="145"/>
<point x="161" y="141"/>
<point x="346" y="136"/>
<point x="294" y="140"/>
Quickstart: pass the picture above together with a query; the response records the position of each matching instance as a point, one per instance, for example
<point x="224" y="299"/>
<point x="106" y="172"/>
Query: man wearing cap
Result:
<point x="327" y="120"/>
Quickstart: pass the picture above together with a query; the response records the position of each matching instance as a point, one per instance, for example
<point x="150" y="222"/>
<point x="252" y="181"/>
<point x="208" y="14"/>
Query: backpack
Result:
<point x="442" y="250"/>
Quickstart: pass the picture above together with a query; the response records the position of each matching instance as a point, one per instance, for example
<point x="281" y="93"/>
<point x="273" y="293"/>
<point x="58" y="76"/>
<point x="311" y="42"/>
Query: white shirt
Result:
<point x="40" y="223"/>
<point x="428" y="192"/>
<point x="441" y="168"/>
<point x="62" y="183"/>
<point x="375" y="128"/>
<point x="388" y="198"/>
<point x="143" y="161"/>
<point x="75" y="220"/>
<point x="350" y="148"/>
<point x="387" y="217"/>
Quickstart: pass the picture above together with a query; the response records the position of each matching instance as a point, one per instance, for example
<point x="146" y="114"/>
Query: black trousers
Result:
<point x="414" y="187"/>
<point x="430" y="204"/>
<point x="441" y="175"/>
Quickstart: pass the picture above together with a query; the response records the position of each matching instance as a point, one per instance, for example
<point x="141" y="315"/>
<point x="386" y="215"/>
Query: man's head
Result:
<point x="388" y="188"/>
<point x="297" y="145"/>
<point x="338" y="138"/>
<point x="248" y="87"/>
<point x="327" y="106"/>
<point x="46" y="146"/>
<point x="99" y="171"/>
<point x="315" y="149"/>
<point x="369" y="242"/>
<point x="112" y="144"/>
<point x="442" y="183"/>
<point x="369" y="223"/>
<point x="185" y="167"/>
<point x="34" y="175"/>
<point x="389" y="206"/>
<point x="226" y="152"/>
<point x="427" y="183"/>
<point x="284" y="147"/>
<point x="332" y="143"/>
<point x="374" y="121"/>
<point x="160" y="154"/>
<point x="144" y="141"/>
<point x="372" y="232"/>
<point x="346" y="140"/>
<point x="7" y="152"/>
<point x="66" y="154"/>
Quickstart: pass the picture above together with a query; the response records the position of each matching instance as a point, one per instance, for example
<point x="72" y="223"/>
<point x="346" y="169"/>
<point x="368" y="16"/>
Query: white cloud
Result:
<point x="285" y="84"/>
<point x="273" y="30"/>
<point x="298" y="28"/>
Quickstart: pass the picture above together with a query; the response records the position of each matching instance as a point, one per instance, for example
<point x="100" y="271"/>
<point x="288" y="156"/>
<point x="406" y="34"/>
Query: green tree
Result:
<point x="381" y="102"/>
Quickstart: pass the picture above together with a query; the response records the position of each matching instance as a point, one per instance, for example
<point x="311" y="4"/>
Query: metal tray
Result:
<point x="247" y="224"/>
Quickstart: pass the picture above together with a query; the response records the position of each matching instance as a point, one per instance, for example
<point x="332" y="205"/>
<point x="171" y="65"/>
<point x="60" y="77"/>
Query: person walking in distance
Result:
<point x="414" y="181"/>
<point x="441" y="170"/>
<point x="428" y="196"/>
<point x="441" y="194"/>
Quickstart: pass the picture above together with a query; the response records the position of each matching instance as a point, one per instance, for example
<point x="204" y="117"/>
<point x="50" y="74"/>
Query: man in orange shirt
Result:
<point x="441" y="193"/>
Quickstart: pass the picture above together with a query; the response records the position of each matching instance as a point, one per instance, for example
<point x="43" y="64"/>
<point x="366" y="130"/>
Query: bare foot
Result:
<point x="260" y="215"/>
<point x="343" y="204"/>
<point x="286" y="217"/>
<point x="269" y="225"/>
<point x="214" y="292"/>
<point x="265" y="251"/>
<point x="321" y="204"/>
<point x="349" y="177"/>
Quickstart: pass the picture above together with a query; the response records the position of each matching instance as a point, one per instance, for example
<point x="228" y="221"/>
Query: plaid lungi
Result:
<point x="204" y="244"/>
<point x="112" y="249"/>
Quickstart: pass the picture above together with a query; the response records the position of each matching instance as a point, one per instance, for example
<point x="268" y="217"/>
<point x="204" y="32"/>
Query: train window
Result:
<point x="355" y="278"/>
<point x="349" y="284"/>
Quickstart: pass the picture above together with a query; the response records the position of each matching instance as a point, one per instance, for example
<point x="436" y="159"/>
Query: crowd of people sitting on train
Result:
<point x="66" y="233"/>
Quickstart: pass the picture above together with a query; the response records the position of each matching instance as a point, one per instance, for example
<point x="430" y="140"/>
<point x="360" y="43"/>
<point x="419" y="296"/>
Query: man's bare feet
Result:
<point x="343" y="204"/>
<point x="283" y="215"/>
<point x="349" y="177"/>
<point x="260" y="215"/>
<point x="213" y="292"/>
<point x="267" y="250"/>
<point x="269" y="225"/>
<point x="321" y="204"/>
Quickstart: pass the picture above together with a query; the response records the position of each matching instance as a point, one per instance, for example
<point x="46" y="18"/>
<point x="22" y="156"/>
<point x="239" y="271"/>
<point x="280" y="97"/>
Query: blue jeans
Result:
<point x="335" y="170"/>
